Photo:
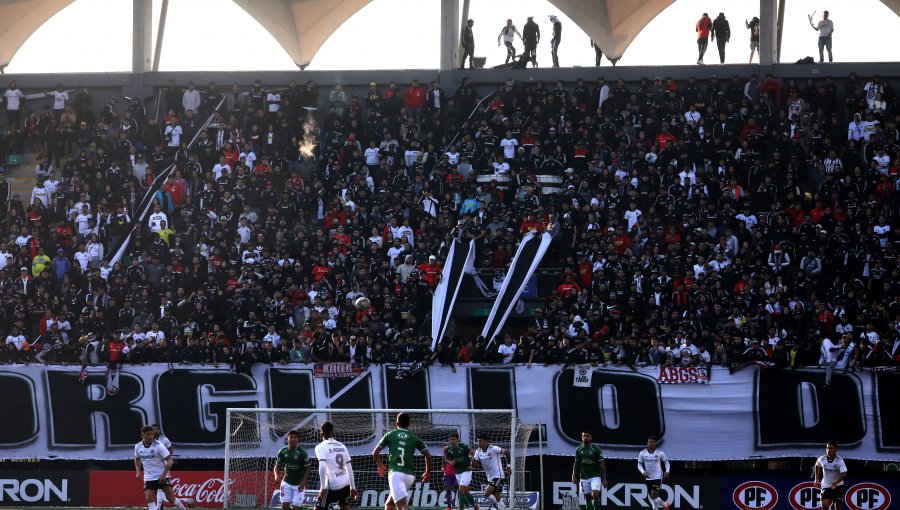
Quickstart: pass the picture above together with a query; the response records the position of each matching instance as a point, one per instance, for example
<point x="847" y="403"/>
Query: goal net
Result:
<point x="256" y="435"/>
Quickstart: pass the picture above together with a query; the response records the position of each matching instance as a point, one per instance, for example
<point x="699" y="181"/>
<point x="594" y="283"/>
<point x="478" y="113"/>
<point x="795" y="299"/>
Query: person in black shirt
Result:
<point x="555" y="40"/>
<point x="468" y="44"/>
<point x="531" y="36"/>
<point x="721" y="33"/>
<point x="243" y="362"/>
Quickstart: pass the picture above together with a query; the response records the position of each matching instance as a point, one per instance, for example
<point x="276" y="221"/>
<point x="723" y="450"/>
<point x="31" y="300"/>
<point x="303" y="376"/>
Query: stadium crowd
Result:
<point x="725" y="221"/>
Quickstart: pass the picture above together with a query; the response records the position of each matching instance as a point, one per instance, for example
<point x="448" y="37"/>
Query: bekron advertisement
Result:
<point x="121" y="488"/>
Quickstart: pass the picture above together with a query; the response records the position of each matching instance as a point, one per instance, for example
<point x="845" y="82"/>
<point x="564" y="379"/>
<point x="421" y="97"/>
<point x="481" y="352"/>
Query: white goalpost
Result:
<point x="256" y="434"/>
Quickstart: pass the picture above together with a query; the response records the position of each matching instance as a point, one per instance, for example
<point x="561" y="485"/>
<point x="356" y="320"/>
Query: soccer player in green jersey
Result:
<point x="402" y="445"/>
<point x="590" y="470"/>
<point x="292" y="472"/>
<point x="459" y="455"/>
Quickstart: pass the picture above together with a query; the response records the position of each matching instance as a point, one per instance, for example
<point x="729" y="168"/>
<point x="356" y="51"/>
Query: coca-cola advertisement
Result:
<point x="121" y="488"/>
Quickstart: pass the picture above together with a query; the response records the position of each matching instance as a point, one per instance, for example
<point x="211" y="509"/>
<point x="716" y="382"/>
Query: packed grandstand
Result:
<point x="705" y="221"/>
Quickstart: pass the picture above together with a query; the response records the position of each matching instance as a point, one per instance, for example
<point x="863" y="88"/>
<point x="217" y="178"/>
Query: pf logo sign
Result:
<point x="805" y="496"/>
<point x="868" y="496"/>
<point x="755" y="496"/>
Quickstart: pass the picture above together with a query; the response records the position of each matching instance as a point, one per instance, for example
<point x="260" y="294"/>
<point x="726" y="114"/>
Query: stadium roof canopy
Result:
<point x="302" y="26"/>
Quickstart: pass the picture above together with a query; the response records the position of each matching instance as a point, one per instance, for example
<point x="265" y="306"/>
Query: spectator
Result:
<point x="721" y="34"/>
<point x="190" y="100"/>
<point x="13" y="97"/>
<point x="753" y="27"/>
<point x="704" y="25"/>
<point x="531" y="36"/>
<point x="555" y="39"/>
<point x="508" y="36"/>
<point x="825" y="27"/>
<point x="468" y="44"/>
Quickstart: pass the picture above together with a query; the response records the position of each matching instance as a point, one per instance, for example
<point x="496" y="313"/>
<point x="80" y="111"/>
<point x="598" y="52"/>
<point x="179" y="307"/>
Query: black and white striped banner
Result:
<point x="531" y="250"/>
<point x="445" y="294"/>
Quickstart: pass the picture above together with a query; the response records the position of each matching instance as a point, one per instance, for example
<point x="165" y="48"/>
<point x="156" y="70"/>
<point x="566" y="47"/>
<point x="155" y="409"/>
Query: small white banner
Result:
<point x="583" y="376"/>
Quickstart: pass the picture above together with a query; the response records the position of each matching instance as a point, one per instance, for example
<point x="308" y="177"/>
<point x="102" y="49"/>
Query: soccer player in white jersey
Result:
<point x="161" y="494"/>
<point x="830" y="474"/>
<point x="654" y="467"/>
<point x="335" y="472"/>
<point x="491" y="459"/>
<point x="156" y="462"/>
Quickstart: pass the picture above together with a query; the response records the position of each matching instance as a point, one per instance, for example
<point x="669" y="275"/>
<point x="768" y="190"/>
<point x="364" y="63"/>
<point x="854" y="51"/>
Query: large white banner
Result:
<point x="751" y="413"/>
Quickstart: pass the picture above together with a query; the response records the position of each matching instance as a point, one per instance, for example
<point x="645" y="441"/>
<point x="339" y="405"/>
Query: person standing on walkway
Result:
<point x="825" y="27"/>
<point x="508" y="35"/>
<point x="531" y="36"/>
<point x="721" y="34"/>
<point x="704" y="25"/>
<point x="468" y="44"/>
<point x="753" y="27"/>
<point x="554" y="41"/>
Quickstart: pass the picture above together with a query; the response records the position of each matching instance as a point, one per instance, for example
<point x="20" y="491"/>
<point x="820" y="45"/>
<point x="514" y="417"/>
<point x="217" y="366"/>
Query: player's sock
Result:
<point x="151" y="506"/>
<point x="660" y="502"/>
<point x="179" y="504"/>
<point x="588" y="504"/>
<point x="160" y="499"/>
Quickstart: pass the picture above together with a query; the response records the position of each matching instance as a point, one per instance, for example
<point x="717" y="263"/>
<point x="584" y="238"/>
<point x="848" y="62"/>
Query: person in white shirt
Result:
<point x="491" y="460"/>
<point x="825" y="29"/>
<point x="692" y="116"/>
<point x="273" y="101"/>
<point x="83" y="258"/>
<point x="81" y="219"/>
<point x="654" y="467"/>
<point x="157" y="218"/>
<point x="221" y="168"/>
<point x="335" y="471"/>
<point x="39" y="193"/>
<point x="632" y="215"/>
<point x="501" y="167"/>
<point x="273" y="337"/>
<point x="163" y="440"/>
<point x="845" y="353"/>
<point x="190" y="100"/>
<point x="15" y="338"/>
<point x="372" y="155"/>
<point x="395" y="251"/>
<point x="173" y="134"/>
<point x="60" y="98"/>
<point x="155" y="334"/>
<point x="508" y="34"/>
<point x="405" y="231"/>
<point x="831" y="471"/>
<point x="6" y="256"/>
<point x="507" y="350"/>
<point x="882" y="161"/>
<point x="828" y="357"/>
<point x="509" y="145"/>
<point x="156" y="461"/>
<point x="13" y="97"/>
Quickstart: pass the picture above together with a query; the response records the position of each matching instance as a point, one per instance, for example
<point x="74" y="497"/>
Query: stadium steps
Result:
<point x="21" y="177"/>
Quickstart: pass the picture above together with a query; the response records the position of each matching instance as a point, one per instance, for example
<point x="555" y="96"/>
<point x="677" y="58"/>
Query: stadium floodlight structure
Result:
<point x="256" y="434"/>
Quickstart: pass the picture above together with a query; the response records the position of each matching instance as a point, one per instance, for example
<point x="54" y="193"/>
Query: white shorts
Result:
<point x="589" y="485"/>
<point x="464" y="478"/>
<point x="291" y="494"/>
<point x="399" y="484"/>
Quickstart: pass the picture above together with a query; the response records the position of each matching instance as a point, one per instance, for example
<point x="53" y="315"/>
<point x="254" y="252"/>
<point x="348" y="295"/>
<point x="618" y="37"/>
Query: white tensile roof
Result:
<point x="302" y="26"/>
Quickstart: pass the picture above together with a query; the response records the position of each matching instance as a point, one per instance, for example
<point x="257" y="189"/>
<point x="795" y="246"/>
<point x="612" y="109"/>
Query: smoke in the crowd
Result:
<point x="308" y="138"/>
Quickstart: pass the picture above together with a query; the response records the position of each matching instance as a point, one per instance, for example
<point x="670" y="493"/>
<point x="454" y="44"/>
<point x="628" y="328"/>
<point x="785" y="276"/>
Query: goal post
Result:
<point x="256" y="434"/>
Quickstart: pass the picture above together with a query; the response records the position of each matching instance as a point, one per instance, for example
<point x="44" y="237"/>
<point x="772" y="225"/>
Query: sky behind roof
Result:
<point x="95" y="36"/>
